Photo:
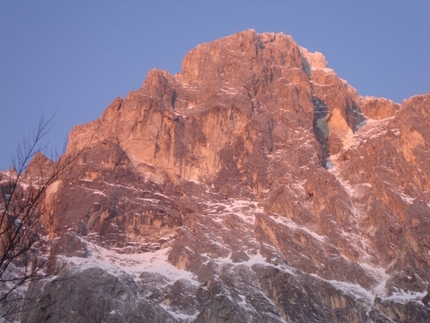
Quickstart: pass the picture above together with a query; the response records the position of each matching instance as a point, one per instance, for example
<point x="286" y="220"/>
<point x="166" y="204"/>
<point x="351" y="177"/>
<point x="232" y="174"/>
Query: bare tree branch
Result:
<point x="24" y="254"/>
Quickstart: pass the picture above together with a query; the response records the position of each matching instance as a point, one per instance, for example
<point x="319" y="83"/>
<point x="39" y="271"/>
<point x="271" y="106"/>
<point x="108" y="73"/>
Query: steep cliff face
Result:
<point x="254" y="186"/>
<point x="239" y="90"/>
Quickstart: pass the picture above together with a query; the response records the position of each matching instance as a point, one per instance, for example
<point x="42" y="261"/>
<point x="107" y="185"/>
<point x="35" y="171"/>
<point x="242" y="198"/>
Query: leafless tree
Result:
<point x="24" y="251"/>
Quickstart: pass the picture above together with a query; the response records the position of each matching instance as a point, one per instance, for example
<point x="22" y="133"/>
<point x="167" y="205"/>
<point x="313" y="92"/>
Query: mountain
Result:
<point x="254" y="186"/>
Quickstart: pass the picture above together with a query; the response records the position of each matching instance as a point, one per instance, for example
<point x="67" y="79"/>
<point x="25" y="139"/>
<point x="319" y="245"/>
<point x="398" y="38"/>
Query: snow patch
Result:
<point x="324" y="69"/>
<point x="229" y="91"/>
<point x="94" y="191"/>
<point x="406" y="296"/>
<point x="132" y="264"/>
<point x="178" y="315"/>
<point x="379" y="274"/>
<point x="294" y="226"/>
<point x="353" y="289"/>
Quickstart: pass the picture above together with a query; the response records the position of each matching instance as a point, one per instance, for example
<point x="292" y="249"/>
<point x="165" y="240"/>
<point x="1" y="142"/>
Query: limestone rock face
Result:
<point x="254" y="186"/>
<point x="378" y="108"/>
<point x="93" y="296"/>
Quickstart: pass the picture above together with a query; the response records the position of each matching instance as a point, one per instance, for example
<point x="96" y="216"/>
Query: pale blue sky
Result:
<point x="75" y="57"/>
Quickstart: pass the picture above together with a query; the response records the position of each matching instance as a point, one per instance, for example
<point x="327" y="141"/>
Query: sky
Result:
<point x="71" y="59"/>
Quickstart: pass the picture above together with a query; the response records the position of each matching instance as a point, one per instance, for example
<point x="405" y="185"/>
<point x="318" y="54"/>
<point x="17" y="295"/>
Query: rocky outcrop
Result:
<point x="378" y="108"/>
<point x="254" y="186"/>
<point x="92" y="296"/>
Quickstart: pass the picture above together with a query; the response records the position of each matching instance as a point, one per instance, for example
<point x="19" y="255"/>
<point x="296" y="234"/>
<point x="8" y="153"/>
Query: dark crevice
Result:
<point x="321" y="129"/>
<point x="306" y="66"/>
<point x="354" y="116"/>
<point x="174" y="97"/>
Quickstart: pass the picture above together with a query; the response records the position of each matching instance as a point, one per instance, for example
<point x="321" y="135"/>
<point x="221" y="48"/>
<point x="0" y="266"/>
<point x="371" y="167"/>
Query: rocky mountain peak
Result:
<point x="254" y="185"/>
<point x="315" y="60"/>
<point x="39" y="166"/>
<point x="237" y="75"/>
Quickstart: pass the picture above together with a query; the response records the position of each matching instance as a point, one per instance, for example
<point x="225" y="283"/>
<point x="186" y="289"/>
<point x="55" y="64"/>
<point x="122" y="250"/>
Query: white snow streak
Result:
<point x="132" y="264"/>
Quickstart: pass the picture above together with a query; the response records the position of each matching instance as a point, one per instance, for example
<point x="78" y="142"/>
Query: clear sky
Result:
<point x="75" y="57"/>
